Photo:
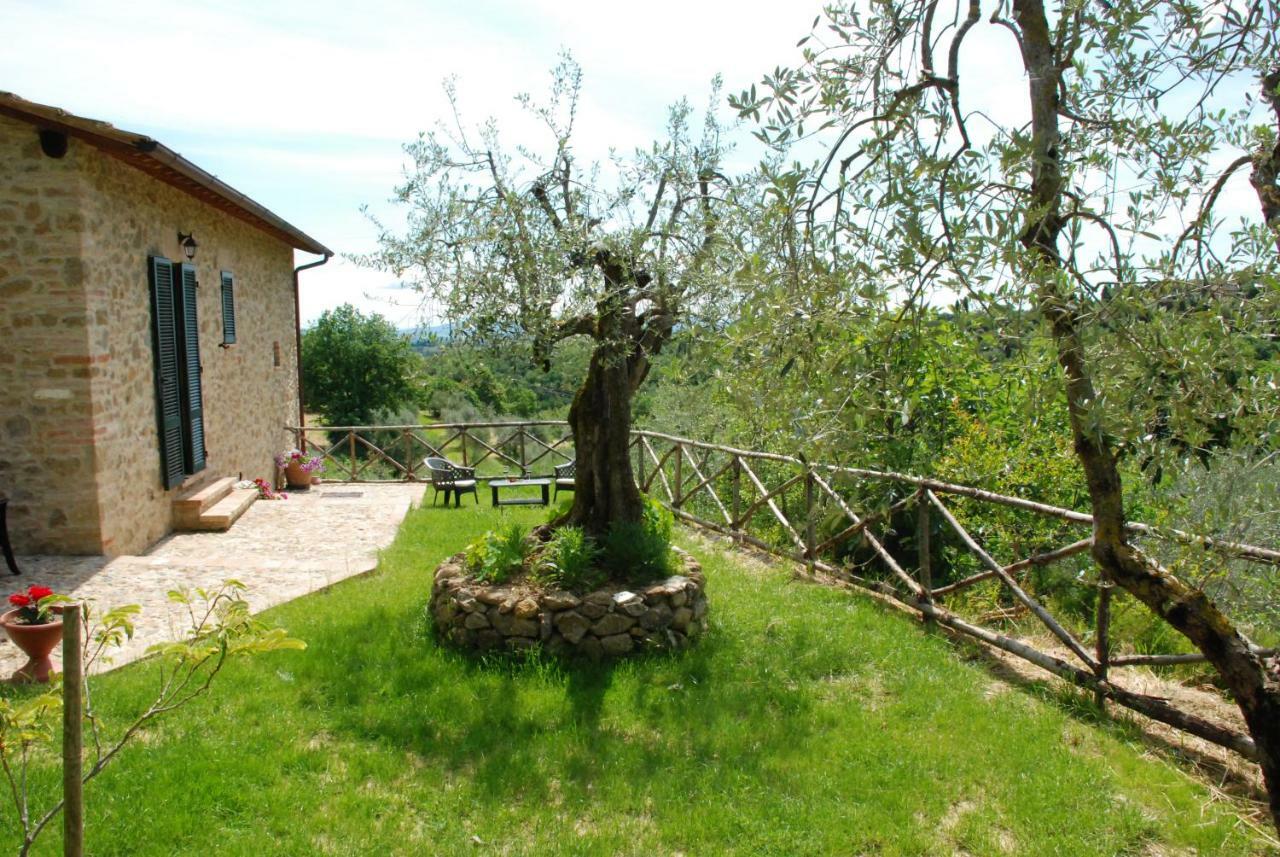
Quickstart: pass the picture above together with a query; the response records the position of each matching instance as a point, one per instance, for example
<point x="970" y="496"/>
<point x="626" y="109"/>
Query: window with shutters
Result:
<point x="188" y="321"/>
<point x="175" y="334"/>
<point x="228" y="309"/>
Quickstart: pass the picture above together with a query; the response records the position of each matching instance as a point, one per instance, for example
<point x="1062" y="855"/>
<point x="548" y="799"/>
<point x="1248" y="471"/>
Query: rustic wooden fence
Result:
<point x="775" y="502"/>
<point x="396" y="453"/>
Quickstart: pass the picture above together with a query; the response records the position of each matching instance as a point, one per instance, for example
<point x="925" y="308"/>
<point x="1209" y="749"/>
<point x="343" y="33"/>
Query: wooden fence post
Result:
<point x="351" y="451"/>
<point x="675" y="501"/>
<point x="524" y="460"/>
<point x="640" y="481"/>
<point x="809" y="528"/>
<point x="408" y="455"/>
<point x="462" y="436"/>
<point x="923" y="549"/>
<point x="1103" y="640"/>
<point x="736" y="526"/>
<point x="72" y="732"/>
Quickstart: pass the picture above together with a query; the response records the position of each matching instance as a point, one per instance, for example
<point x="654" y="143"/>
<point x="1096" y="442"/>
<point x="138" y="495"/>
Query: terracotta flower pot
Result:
<point x="37" y="642"/>
<point x="296" y="476"/>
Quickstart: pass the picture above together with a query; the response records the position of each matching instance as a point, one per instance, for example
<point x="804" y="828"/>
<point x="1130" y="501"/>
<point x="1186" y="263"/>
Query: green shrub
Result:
<point x="640" y="551"/>
<point x="497" y="556"/>
<point x="1134" y="626"/>
<point x="569" y="560"/>
<point x="658" y="520"/>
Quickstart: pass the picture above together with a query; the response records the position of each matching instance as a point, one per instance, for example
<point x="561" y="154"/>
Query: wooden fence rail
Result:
<point x="396" y="453"/>
<point x="774" y="503"/>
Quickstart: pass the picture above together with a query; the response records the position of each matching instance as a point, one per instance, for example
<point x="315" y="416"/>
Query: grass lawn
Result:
<point x="808" y="721"/>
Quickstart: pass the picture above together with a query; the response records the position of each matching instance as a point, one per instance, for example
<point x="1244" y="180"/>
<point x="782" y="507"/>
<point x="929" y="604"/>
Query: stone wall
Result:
<point x="248" y="399"/>
<point x="608" y="622"/>
<point x="79" y="451"/>
<point x="47" y="459"/>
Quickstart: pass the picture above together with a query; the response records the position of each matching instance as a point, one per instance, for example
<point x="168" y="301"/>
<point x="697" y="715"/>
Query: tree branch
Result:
<point x="926" y="37"/>
<point x="890" y="112"/>
<point x="1115" y="241"/>
<point x="544" y="202"/>
<point x="657" y="199"/>
<point x="1197" y="225"/>
<point x="579" y="325"/>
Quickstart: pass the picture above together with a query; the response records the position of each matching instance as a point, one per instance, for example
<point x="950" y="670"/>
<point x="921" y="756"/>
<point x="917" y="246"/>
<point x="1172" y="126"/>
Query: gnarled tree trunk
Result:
<point x="605" y="486"/>
<point x="1266" y="163"/>
<point x="1184" y="607"/>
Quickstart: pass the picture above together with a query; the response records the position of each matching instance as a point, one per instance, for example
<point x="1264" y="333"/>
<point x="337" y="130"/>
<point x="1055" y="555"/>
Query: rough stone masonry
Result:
<point x="608" y="622"/>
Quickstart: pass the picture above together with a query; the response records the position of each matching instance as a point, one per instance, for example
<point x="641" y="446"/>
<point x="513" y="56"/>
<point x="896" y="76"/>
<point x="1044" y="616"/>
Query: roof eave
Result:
<point x="159" y="161"/>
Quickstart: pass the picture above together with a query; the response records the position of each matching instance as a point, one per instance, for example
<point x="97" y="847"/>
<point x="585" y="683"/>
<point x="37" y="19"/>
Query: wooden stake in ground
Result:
<point x="72" y="734"/>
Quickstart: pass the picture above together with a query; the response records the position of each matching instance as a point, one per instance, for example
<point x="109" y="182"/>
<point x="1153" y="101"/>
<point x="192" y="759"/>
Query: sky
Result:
<point x="304" y="106"/>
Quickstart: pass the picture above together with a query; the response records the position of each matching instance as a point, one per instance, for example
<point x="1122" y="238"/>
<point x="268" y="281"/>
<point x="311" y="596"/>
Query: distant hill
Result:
<point x="421" y="336"/>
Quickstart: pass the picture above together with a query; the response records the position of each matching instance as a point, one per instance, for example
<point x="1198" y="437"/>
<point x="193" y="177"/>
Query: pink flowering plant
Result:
<point x="308" y="463"/>
<point x="35" y="606"/>
<point x="266" y="492"/>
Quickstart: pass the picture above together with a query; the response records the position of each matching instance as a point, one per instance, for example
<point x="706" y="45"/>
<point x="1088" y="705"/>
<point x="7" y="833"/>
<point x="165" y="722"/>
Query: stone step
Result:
<point x="192" y="505"/>
<point x="221" y="515"/>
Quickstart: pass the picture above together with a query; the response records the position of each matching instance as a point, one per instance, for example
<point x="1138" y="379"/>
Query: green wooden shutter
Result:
<point x="164" y="340"/>
<point x="193" y="452"/>
<point x="228" y="308"/>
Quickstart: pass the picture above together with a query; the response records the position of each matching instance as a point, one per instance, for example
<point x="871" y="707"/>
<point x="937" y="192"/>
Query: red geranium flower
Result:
<point x="29" y="610"/>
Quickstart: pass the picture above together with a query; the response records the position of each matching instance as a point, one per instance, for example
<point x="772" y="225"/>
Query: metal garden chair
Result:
<point x="565" y="477"/>
<point x="450" y="478"/>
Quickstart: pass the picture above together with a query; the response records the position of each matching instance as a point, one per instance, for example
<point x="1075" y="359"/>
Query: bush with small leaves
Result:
<point x="640" y="551"/>
<point x="568" y="560"/>
<point x="498" y="555"/>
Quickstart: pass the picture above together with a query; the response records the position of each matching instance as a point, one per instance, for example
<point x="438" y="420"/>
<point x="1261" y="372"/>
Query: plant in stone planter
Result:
<point x="35" y="626"/>
<point x="497" y="556"/>
<point x="569" y="560"/>
<point x="567" y="604"/>
<point x="640" y="551"/>
<point x="299" y="468"/>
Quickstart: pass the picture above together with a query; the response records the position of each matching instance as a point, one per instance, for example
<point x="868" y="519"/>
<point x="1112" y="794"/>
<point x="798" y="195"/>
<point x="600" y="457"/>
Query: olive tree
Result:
<point x="514" y="239"/>
<point x="1091" y="198"/>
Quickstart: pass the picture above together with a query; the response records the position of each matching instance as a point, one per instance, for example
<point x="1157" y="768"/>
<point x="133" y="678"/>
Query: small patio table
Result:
<point x="501" y="482"/>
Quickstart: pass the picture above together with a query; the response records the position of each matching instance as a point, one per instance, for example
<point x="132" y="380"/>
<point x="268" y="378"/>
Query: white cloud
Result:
<point x="304" y="105"/>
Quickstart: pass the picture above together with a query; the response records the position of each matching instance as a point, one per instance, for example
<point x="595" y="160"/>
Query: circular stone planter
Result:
<point x="605" y="623"/>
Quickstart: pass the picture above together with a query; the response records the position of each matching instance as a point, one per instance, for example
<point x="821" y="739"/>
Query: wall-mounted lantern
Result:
<point x="188" y="244"/>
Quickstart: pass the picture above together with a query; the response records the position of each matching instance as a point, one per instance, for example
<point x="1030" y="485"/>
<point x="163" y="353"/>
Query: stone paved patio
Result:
<point x="280" y="549"/>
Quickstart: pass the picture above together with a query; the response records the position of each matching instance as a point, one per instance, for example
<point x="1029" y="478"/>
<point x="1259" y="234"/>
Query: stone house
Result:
<point x="135" y="368"/>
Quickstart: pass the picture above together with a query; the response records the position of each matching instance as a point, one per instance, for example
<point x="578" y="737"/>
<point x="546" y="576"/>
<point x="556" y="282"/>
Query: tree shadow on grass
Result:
<point x="509" y="724"/>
